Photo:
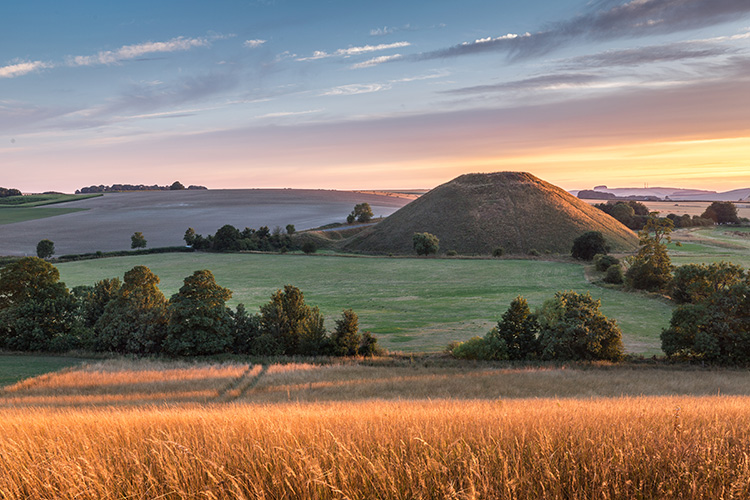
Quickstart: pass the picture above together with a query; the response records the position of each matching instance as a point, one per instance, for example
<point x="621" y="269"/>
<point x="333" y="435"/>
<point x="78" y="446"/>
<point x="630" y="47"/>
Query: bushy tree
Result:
<point x="135" y="320"/>
<point x="518" y="331"/>
<point x="227" y="239"/>
<point x="176" y="186"/>
<point x="651" y="269"/>
<point x="290" y="229"/>
<point x="309" y="247"/>
<point x="37" y="312"/>
<point x="189" y="237"/>
<point x="93" y="300"/>
<point x="292" y="323"/>
<point x="589" y="244"/>
<point x="614" y="275"/>
<point x="425" y="243"/>
<point x="362" y="213"/>
<point x="45" y="249"/>
<point x="345" y="338"/>
<point x="694" y="283"/>
<point x="572" y="327"/>
<point x="603" y="262"/>
<point x="722" y="212"/>
<point x="246" y="331"/>
<point x="137" y="240"/>
<point x="199" y="321"/>
<point x="716" y="329"/>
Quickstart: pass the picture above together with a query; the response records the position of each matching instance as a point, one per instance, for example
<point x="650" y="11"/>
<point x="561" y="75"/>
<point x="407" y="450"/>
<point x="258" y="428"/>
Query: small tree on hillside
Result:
<point x="651" y="269"/>
<point x="137" y="240"/>
<point x="199" y="321"/>
<point x="45" y="249"/>
<point x="425" y="243"/>
<point x="589" y="244"/>
<point x="362" y="213"/>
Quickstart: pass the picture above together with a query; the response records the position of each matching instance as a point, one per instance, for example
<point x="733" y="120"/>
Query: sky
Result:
<point x="360" y="94"/>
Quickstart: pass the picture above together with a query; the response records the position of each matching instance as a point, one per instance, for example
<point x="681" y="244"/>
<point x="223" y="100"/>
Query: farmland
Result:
<point x="410" y="304"/>
<point x="400" y="429"/>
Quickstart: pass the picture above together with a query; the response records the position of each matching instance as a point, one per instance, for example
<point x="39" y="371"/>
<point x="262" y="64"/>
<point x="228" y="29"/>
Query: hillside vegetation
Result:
<point x="477" y="213"/>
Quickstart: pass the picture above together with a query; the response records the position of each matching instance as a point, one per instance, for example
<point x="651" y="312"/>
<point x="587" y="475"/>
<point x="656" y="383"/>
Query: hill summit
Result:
<point x="476" y="213"/>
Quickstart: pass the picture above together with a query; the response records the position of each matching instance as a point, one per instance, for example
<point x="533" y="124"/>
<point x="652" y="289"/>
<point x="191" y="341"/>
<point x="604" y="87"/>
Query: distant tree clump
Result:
<point x="425" y="243"/>
<point x="176" y="186"/>
<point x="722" y="212"/>
<point x="137" y="240"/>
<point x="651" y="269"/>
<point x="589" y="244"/>
<point x="199" y="321"/>
<point x="45" y="249"/>
<point x="631" y="213"/>
<point x="361" y="213"/>
<point x="6" y="192"/>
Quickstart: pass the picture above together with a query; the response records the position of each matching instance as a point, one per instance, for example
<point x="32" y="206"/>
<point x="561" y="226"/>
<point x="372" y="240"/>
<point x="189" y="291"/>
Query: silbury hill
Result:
<point x="476" y="214"/>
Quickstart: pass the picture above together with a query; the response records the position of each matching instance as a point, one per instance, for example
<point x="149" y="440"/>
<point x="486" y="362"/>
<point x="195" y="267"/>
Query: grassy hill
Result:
<point x="476" y="213"/>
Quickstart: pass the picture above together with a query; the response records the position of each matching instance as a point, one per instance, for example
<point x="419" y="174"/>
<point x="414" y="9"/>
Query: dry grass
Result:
<point x="662" y="447"/>
<point x="388" y="429"/>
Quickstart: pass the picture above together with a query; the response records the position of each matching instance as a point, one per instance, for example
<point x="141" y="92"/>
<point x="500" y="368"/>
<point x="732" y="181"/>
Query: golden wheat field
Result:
<point x="125" y="429"/>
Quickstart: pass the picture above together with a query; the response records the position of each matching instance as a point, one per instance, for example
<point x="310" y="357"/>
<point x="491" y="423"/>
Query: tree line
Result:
<point x="634" y="214"/>
<point x="39" y="313"/>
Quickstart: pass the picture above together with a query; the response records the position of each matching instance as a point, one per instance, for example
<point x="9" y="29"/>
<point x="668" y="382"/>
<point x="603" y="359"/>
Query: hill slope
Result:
<point x="475" y="213"/>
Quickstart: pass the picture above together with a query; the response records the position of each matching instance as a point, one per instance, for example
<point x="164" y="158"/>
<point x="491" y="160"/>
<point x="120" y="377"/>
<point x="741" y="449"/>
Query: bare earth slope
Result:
<point x="163" y="217"/>
<point x="475" y="213"/>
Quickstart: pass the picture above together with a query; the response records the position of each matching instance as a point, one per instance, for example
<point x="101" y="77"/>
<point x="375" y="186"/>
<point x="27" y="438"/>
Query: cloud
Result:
<point x="389" y="30"/>
<point x="646" y="55"/>
<point x="357" y="88"/>
<point x="354" y="51"/>
<point x="128" y="52"/>
<point x="543" y="82"/>
<point x="252" y="44"/>
<point x="282" y="114"/>
<point x="376" y="60"/>
<point x="22" y="68"/>
<point x="606" y="20"/>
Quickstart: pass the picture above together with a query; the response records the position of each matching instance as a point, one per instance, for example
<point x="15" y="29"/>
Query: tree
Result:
<point x="651" y="269"/>
<point x="135" y="320"/>
<point x="296" y="326"/>
<point x="309" y="247"/>
<point x="37" y="312"/>
<point x="425" y="243"/>
<point x="694" y="283"/>
<point x="362" y="213"/>
<point x="572" y="327"/>
<point x="176" y="186"/>
<point x="227" y="239"/>
<point x="93" y="300"/>
<point x="246" y="333"/>
<point x="290" y="229"/>
<point x="345" y="338"/>
<point x="189" y="237"/>
<point x="45" y="249"/>
<point x="518" y="330"/>
<point x="722" y="212"/>
<point x="589" y="244"/>
<point x="623" y="213"/>
<point x="137" y="240"/>
<point x="199" y="321"/>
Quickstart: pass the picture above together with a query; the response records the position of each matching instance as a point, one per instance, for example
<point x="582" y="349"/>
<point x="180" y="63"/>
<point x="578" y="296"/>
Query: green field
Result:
<point x="411" y="304"/>
<point x="18" y="367"/>
<point x="37" y="200"/>
<point x="711" y="244"/>
<point x="10" y="215"/>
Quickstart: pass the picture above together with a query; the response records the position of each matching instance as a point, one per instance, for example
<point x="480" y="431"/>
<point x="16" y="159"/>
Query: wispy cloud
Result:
<point x="554" y="81"/>
<point x="646" y="55"/>
<point x="128" y="52"/>
<point x="282" y="114"/>
<point x="376" y="60"/>
<point x="389" y="30"/>
<point x="252" y="44"/>
<point x="605" y="21"/>
<point x="354" y="51"/>
<point x="21" y="68"/>
<point x="357" y="88"/>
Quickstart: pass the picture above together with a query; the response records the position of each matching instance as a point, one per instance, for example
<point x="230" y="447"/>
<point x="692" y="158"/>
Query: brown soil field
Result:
<point x="163" y="217"/>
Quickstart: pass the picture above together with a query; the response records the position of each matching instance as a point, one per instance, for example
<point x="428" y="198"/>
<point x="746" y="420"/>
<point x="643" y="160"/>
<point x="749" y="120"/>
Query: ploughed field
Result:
<point x="106" y="223"/>
<point x="410" y="304"/>
<point x="380" y="429"/>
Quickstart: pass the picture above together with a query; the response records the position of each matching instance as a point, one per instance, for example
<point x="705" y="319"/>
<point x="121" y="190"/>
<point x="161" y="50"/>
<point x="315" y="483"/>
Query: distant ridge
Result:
<point x="476" y="213"/>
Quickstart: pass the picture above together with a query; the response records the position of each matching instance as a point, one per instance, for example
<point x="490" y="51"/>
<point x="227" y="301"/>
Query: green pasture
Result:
<point x="20" y="366"/>
<point x="712" y="244"/>
<point x="36" y="200"/>
<point x="10" y="215"/>
<point x="412" y="304"/>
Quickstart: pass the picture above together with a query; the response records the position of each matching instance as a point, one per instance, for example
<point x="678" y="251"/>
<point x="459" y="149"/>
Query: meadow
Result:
<point x="410" y="304"/>
<point x="394" y="429"/>
<point x="712" y="244"/>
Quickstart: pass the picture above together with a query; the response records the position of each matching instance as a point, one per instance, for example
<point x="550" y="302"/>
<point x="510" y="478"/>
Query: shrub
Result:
<point x="474" y="348"/>
<point x="603" y="262"/>
<point x="309" y="247"/>
<point x="534" y="252"/>
<point x="425" y="243"/>
<point x="573" y="328"/>
<point x="589" y="244"/>
<point x="45" y="249"/>
<point x="451" y="253"/>
<point x="614" y="275"/>
<point x="498" y="252"/>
